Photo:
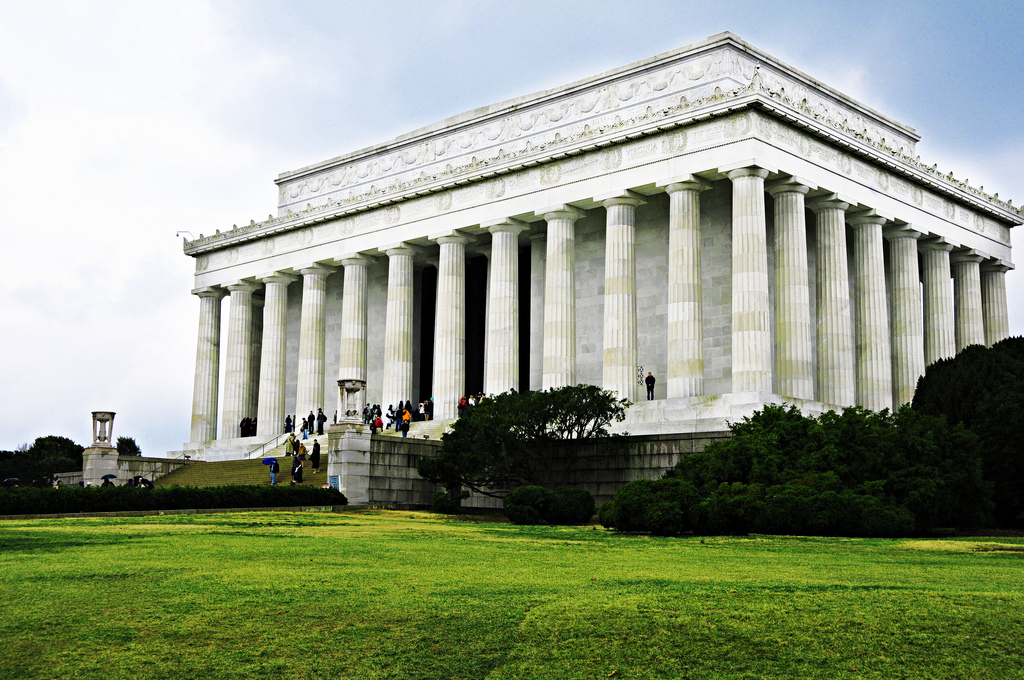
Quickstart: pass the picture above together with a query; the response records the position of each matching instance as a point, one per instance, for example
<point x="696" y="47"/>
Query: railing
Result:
<point x="270" y="444"/>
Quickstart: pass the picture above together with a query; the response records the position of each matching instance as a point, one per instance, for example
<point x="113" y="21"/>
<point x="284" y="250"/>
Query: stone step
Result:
<point x="430" y="429"/>
<point x="245" y="472"/>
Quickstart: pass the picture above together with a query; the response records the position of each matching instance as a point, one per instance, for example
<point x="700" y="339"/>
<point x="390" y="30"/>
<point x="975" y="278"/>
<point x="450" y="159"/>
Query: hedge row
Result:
<point x="34" y="500"/>
<point x="671" y="506"/>
<point x="537" y="505"/>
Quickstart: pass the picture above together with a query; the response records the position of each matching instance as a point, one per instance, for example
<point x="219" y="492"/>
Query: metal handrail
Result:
<point x="273" y="443"/>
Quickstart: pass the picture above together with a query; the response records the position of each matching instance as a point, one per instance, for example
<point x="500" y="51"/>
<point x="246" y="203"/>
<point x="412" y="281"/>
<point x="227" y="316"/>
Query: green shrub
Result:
<point x="606" y="515"/>
<point x="572" y="505"/>
<point x="528" y="504"/>
<point x="447" y="502"/>
<point x="34" y="500"/>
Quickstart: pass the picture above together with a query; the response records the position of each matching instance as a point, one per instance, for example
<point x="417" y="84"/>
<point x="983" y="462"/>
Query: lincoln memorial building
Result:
<point x="710" y="215"/>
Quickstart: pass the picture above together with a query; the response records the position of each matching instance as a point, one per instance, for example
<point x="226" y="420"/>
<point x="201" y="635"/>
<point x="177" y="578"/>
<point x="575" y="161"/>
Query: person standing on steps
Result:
<point x="289" y="445"/>
<point x="274" y="469"/>
<point x="310" y="423"/>
<point x="314" y="458"/>
<point x="304" y="428"/>
<point x="650" y="386"/>
<point x="320" y="420"/>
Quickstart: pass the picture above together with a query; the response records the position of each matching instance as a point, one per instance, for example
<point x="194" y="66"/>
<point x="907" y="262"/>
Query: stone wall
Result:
<point x="392" y="479"/>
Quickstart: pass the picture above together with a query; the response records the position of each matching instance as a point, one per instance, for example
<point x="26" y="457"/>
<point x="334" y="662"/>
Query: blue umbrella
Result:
<point x="109" y="477"/>
<point x="269" y="461"/>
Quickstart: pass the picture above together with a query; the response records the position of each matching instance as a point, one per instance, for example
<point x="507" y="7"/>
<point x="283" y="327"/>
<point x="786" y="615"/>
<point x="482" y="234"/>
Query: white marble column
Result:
<point x="939" y="334"/>
<point x="237" y="374"/>
<point x="620" y="340"/>
<point x="907" y="314"/>
<point x="502" y="351"/>
<point x="352" y="351"/>
<point x="207" y="379"/>
<point x="538" y="255"/>
<point x="450" y="327"/>
<point x="309" y="391"/>
<point x="560" y="298"/>
<point x="874" y="344"/>
<point x="794" y="343"/>
<point x="969" y="326"/>
<point x="836" y="379"/>
<point x="751" y="333"/>
<point x="270" y="412"/>
<point x="256" y="355"/>
<point x="993" y="301"/>
<point x="685" y="291"/>
<point x="398" y="327"/>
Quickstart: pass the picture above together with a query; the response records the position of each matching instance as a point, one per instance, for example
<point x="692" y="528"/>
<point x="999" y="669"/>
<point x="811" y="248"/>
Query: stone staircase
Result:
<point x="430" y="429"/>
<point x="248" y="472"/>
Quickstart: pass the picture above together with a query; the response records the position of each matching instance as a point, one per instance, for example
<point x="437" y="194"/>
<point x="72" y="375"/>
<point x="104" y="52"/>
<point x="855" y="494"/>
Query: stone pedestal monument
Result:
<point x="101" y="457"/>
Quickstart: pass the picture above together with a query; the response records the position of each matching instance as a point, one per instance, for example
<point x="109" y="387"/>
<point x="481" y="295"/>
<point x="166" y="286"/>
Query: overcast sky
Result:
<point x="124" y="122"/>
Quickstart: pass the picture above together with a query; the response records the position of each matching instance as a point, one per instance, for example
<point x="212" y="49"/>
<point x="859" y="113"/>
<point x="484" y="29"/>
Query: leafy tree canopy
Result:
<point x="126" y="446"/>
<point x="983" y="388"/>
<point x="37" y="465"/>
<point x="515" y="439"/>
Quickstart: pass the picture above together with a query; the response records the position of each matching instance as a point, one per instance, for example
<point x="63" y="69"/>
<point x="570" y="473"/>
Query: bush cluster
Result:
<point x="35" y="500"/>
<point x="537" y="505"/>
<point x="857" y="473"/>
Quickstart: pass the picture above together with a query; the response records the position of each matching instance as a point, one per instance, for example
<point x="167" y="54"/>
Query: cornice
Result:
<point x="770" y="87"/>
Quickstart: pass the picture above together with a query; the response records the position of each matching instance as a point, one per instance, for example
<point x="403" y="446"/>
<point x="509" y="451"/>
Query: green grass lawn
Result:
<point x="406" y="595"/>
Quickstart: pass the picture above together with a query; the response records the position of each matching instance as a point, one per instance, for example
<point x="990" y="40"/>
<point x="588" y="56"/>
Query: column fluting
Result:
<point x="502" y="351"/>
<point x="398" y="327"/>
<point x="450" y="327"/>
<point x="620" y="340"/>
<point x="751" y="333"/>
<point x="309" y="391"/>
<point x="256" y="356"/>
<point x="793" y="343"/>
<point x="993" y="302"/>
<point x="939" y="325"/>
<point x="352" y="350"/>
<point x="685" y="291"/>
<point x="237" y="373"/>
<point x="207" y="379"/>
<point x="560" y="298"/>
<point x="874" y="344"/>
<point x="907" y="314"/>
<point x="836" y="377"/>
<point x="270" y="411"/>
<point x="969" y="326"/>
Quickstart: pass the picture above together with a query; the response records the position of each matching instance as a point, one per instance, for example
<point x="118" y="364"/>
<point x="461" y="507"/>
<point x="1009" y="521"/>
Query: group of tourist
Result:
<point x="296" y="450"/>
<point x="308" y="424"/>
<point x="248" y="427"/>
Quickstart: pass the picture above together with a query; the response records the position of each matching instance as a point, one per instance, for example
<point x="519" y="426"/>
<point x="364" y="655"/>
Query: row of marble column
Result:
<point x="868" y="348"/>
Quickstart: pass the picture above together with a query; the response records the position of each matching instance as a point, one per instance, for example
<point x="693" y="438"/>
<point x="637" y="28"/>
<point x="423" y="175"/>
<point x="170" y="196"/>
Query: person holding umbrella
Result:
<point x="274" y="469"/>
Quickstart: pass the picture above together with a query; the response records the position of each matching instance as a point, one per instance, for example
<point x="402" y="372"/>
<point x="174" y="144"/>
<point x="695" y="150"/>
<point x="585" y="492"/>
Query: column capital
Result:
<point x="507" y="224"/>
<point x="867" y="217"/>
<point x="996" y="265"/>
<point x="789" y="184"/>
<point x="831" y="201"/>
<point x="560" y="212"/>
<point x="897" y="231"/>
<point x="747" y="168"/>
<point x="625" y="197"/>
<point x="356" y="260"/>
<point x="400" y="249"/>
<point x="242" y="287"/>
<point x="316" y="269"/>
<point x="279" y="277"/>
<point x="683" y="183"/>
<point x="932" y="242"/>
<point x="965" y="255"/>
<point x="454" y="237"/>
<point x="210" y="292"/>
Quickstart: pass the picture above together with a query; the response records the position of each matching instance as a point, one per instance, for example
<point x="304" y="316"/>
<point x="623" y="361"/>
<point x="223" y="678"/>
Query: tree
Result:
<point x="516" y="439"/>
<point x="126" y="446"/>
<point x="37" y="465"/>
<point x="983" y="388"/>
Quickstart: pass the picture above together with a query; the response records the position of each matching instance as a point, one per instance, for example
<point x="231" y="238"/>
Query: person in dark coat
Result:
<point x="320" y="420"/>
<point x="274" y="469"/>
<point x="314" y="458"/>
<point x="650" y="386"/>
<point x="296" y="471"/>
<point x="310" y="422"/>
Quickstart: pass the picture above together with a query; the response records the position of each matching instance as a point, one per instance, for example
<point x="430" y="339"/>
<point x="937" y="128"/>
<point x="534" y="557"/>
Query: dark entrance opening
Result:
<point x="428" y="309"/>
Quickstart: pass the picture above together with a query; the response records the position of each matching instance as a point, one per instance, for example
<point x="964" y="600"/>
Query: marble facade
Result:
<point x="711" y="215"/>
